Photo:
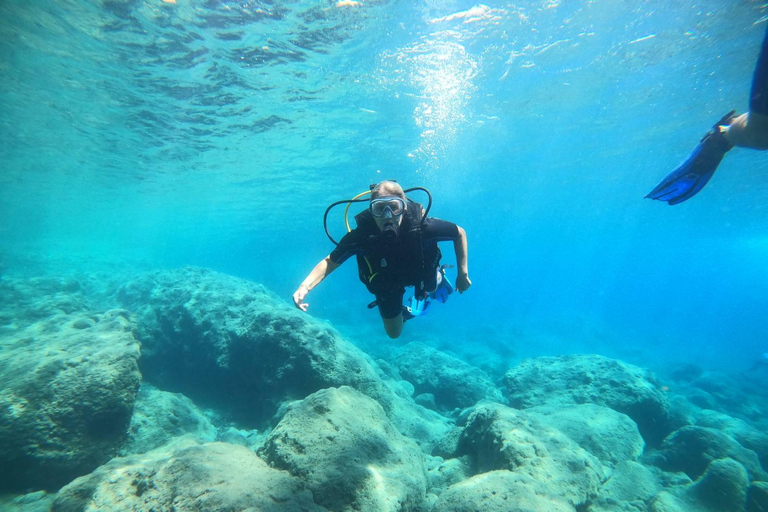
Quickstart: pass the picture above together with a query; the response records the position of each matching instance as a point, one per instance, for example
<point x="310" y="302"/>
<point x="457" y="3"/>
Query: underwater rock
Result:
<point x="39" y="501"/>
<point x="682" y="412"/>
<point x="448" y="446"/>
<point x="451" y="381"/>
<point x="159" y="416"/>
<point x="499" y="491"/>
<point x="722" y="488"/>
<point x="741" y="395"/>
<point x="447" y="473"/>
<point x="68" y="385"/>
<point x="686" y="372"/>
<point x="592" y="379"/>
<point x="630" y="486"/>
<point x="499" y="437"/>
<point x="214" y="477"/>
<point x="229" y="342"/>
<point x="343" y="447"/>
<point x="426" y="400"/>
<point x="610" y="436"/>
<point x="757" y="497"/>
<point x="746" y="435"/>
<point x="27" y="301"/>
<point x="692" y="449"/>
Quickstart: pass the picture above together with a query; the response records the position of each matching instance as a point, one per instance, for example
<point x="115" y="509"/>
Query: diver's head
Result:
<point x="388" y="205"/>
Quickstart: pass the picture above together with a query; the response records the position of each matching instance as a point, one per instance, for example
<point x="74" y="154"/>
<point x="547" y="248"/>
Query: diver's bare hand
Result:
<point x="298" y="298"/>
<point x="463" y="283"/>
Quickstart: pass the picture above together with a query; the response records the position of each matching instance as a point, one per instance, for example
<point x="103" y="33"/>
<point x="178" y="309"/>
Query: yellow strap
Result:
<point x="346" y="211"/>
<point x="370" y="269"/>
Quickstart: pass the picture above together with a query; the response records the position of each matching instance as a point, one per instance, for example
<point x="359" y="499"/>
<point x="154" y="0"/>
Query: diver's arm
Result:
<point x="460" y="247"/>
<point x="320" y="272"/>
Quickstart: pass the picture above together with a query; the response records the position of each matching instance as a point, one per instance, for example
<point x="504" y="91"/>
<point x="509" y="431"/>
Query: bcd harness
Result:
<point x="390" y="264"/>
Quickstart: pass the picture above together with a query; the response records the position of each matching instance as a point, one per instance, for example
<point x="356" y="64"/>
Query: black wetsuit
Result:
<point x="758" y="99"/>
<point x="387" y="266"/>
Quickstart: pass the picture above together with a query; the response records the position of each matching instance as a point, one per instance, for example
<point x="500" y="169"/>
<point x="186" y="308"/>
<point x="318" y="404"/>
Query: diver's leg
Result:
<point x="750" y="130"/>
<point x="391" y="311"/>
<point x="758" y="98"/>
<point x="393" y="326"/>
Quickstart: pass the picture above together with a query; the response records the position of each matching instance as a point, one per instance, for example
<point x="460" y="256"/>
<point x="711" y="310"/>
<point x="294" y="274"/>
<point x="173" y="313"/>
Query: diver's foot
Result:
<point x="690" y="177"/>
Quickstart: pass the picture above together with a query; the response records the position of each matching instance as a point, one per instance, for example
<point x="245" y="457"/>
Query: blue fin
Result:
<point x="443" y="290"/>
<point x="689" y="177"/>
<point x="416" y="307"/>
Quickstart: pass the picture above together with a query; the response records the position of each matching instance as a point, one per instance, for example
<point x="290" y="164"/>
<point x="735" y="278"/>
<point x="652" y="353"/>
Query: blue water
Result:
<point x="215" y="133"/>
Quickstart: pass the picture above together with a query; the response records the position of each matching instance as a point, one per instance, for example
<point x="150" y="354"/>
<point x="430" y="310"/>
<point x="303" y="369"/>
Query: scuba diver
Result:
<point x="748" y="130"/>
<point x="395" y="243"/>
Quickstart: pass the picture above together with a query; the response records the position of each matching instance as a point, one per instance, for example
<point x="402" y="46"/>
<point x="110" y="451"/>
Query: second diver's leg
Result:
<point x="750" y="130"/>
<point x="758" y="98"/>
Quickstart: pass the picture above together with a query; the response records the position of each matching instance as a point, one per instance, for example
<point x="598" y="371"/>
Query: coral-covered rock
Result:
<point x="498" y="437"/>
<point x="26" y="301"/>
<point x="722" y="488"/>
<point x="159" y="416"/>
<point x="452" y="382"/>
<point x="209" y="335"/>
<point x="592" y="379"/>
<point x="447" y="473"/>
<point x="693" y="449"/>
<point x="68" y="384"/>
<point x="757" y="497"/>
<point x="214" y="477"/>
<point x="743" y="433"/>
<point x="38" y="501"/>
<point x="228" y="342"/>
<point x="342" y="445"/>
<point x="630" y="486"/>
<point x="740" y="395"/>
<point x="610" y="436"/>
<point x="499" y="491"/>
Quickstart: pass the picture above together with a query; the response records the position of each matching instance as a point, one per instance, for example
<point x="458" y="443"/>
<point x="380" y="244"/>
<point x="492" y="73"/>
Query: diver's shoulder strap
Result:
<point x="415" y="213"/>
<point x="365" y="221"/>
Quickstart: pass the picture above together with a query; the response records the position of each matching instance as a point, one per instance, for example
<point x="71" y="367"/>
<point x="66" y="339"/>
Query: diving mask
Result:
<point x="379" y="206"/>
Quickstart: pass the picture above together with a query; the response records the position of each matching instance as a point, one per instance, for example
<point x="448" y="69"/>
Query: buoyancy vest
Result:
<point x="388" y="265"/>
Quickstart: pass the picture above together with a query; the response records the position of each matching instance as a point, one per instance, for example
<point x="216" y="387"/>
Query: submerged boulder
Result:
<point x="214" y="477"/>
<point x="722" y="488"/>
<point x="610" y="436"/>
<point x="692" y="450"/>
<point x="631" y="484"/>
<point x="738" y="429"/>
<point x="757" y="497"/>
<point x="159" y="416"/>
<point x="592" y="379"/>
<point x="497" y="437"/>
<point x="229" y="343"/>
<point x="451" y="382"/>
<point x="68" y="384"/>
<point x="341" y="445"/>
<point x="499" y="491"/>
